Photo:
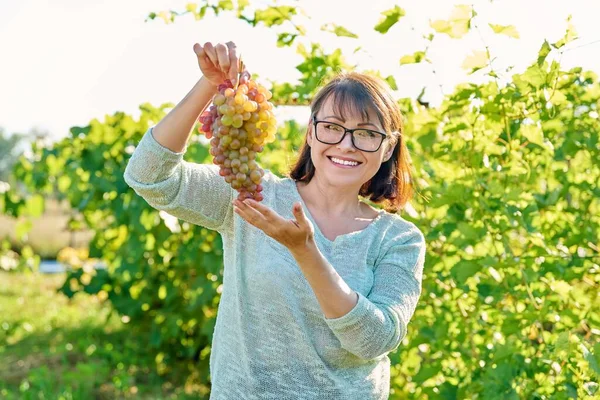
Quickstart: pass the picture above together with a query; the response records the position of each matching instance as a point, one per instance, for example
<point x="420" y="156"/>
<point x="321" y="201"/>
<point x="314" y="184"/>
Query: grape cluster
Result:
<point x="239" y="122"/>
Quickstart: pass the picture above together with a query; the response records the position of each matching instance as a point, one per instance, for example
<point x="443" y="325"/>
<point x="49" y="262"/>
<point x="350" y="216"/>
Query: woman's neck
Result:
<point x="337" y="202"/>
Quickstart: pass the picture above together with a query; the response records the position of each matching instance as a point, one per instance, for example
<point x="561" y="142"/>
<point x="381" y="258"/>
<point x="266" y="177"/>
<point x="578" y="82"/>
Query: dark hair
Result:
<point x="357" y="93"/>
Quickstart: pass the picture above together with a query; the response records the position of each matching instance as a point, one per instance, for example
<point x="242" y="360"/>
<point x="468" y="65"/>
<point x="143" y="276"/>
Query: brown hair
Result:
<point x="357" y="93"/>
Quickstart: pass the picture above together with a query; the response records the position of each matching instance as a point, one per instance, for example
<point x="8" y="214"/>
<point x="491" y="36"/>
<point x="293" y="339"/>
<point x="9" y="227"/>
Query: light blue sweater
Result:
<point x="271" y="339"/>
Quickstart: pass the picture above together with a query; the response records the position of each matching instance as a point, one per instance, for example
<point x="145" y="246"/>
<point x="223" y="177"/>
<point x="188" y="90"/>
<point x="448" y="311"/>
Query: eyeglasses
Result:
<point x="363" y="139"/>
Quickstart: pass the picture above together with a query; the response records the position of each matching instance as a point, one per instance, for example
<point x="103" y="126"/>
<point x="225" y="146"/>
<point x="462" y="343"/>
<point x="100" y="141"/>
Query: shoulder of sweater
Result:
<point x="399" y="230"/>
<point x="270" y="177"/>
<point x="399" y="235"/>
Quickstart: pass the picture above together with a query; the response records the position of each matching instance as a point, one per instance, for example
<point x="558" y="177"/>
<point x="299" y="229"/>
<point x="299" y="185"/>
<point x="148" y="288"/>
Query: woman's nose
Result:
<point x="346" y="142"/>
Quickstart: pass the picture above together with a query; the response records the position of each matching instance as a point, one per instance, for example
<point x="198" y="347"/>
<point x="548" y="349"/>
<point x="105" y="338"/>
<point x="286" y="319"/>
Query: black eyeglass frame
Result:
<point x="346" y="130"/>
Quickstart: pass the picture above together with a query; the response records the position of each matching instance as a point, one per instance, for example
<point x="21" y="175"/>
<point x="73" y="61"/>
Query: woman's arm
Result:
<point x="217" y="63"/>
<point x="373" y="325"/>
<point x="156" y="170"/>
<point x="174" y="130"/>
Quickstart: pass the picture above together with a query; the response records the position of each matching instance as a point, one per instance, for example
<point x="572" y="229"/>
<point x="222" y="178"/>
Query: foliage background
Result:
<point x="507" y="199"/>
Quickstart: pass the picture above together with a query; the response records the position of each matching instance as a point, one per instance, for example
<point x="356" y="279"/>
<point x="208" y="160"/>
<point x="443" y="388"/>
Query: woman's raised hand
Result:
<point x="218" y="63"/>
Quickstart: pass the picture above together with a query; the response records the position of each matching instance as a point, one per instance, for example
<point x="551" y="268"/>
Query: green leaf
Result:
<point x="459" y="23"/>
<point x="392" y="82"/>
<point x="35" y="205"/>
<point x="390" y="17"/>
<point x="475" y="61"/>
<point x="285" y="39"/>
<point x="414" y="58"/>
<point x="570" y="34"/>
<point x="22" y="228"/>
<point x="338" y="30"/>
<point x="462" y="13"/>
<point x="508" y="30"/>
<point x="589" y="357"/>
<point x="274" y="15"/>
<point x="543" y="53"/>
<point x="225" y="5"/>
<point x="562" y="288"/>
<point x="463" y="270"/>
<point x="534" y="76"/>
<point x="562" y="343"/>
<point x="426" y="372"/>
<point x="441" y="26"/>
<point x="533" y="133"/>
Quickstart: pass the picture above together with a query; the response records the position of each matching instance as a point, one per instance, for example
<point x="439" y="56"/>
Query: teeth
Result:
<point x="338" y="161"/>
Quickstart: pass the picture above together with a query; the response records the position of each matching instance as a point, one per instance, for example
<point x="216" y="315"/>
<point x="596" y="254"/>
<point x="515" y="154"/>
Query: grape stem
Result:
<point x="240" y="71"/>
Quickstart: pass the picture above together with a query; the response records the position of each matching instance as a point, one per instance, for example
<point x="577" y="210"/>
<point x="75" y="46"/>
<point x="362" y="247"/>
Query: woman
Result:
<point x="318" y="286"/>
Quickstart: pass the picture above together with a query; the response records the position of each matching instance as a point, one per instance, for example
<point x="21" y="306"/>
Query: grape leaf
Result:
<point x="285" y="39"/>
<point x="459" y="23"/>
<point x="390" y="17"/>
<point x="570" y="34"/>
<point x="508" y="30"/>
<point x="533" y="133"/>
<point x="463" y="270"/>
<point x="543" y="53"/>
<point x="475" y="61"/>
<point x="276" y="15"/>
<point x="392" y="82"/>
<point x="414" y="58"/>
<point x="338" y="30"/>
<point x="590" y="359"/>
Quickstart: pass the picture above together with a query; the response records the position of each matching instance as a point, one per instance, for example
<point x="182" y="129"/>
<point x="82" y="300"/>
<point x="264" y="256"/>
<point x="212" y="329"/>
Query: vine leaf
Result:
<point x="475" y="61"/>
<point x="459" y="23"/>
<point x="389" y="19"/>
<point x="414" y="58"/>
<point x="508" y="30"/>
<point x="570" y="35"/>
<point x="338" y="30"/>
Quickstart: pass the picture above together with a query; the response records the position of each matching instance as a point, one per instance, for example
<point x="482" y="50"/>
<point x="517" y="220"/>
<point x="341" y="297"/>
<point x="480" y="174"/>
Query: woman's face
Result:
<point x="324" y="156"/>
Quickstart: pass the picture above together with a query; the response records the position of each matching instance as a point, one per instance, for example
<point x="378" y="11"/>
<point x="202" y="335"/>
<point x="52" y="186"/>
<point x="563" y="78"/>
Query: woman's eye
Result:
<point x="333" y="127"/>
<point x="368" y="134"/>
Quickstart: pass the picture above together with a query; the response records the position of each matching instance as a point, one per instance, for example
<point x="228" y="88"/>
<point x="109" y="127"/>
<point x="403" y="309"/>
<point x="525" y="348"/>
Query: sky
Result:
<point x="66" y="62"/>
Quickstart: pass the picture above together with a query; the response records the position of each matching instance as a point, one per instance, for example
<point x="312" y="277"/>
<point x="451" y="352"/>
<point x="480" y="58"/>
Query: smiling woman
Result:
<point x="375" y="147"/>
<point x="318" y="286"/>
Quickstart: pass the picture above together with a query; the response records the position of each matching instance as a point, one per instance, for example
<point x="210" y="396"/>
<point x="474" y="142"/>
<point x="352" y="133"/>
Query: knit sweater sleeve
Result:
<point x="378" y="322"/>
<point x="195" y="193"/>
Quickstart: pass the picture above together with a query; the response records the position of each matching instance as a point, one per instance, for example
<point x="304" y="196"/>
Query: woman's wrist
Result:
<point x="207" y="85"/>
<point x="305" y="250"/>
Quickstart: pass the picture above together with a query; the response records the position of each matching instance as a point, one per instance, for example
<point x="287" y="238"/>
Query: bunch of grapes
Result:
<point x="239" y="122"/>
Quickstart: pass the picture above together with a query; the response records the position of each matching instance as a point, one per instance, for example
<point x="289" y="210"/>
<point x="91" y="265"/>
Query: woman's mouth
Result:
<point x="343" y="164"/>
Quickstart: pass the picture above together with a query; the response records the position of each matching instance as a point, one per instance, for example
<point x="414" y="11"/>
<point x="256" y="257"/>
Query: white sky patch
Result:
<point x="65" y="62"/>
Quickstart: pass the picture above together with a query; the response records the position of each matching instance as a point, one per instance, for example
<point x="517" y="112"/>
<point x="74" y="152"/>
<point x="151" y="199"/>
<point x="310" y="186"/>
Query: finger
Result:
<point x="250" y="214"/>
<point x="265" y="211"/>
<point x="223" y="57"/>
<point x="233" y="62"/>
<point x="299" y="213"/>
<point x="203" y="59"/>
<point x="211" y="53"/>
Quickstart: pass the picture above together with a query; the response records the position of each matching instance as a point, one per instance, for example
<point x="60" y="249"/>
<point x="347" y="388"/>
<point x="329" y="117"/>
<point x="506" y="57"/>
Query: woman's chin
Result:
<point x="343" y="180"/>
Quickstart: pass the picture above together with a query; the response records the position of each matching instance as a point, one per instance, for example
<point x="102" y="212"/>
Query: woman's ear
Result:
<point x="388" y="154"/>
<point x="309" y="134"/>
